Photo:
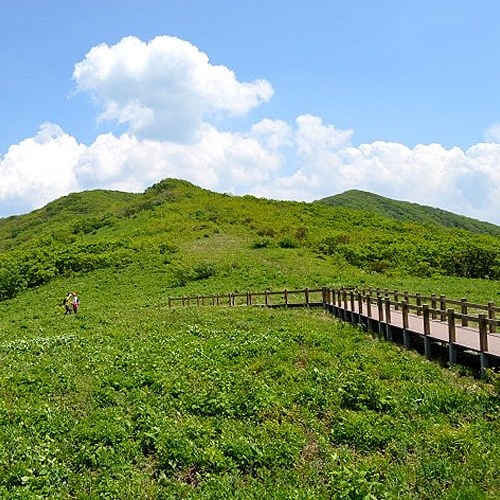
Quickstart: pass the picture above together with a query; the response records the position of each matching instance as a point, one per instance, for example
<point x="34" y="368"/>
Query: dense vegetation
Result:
<point x="131" y="400"/>
<point x="188" y="231"/>
<point x="404" y="210"/>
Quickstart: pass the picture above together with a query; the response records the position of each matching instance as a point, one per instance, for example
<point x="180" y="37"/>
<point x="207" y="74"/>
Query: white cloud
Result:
<point x="38" y="169"/>
<point x="313" y="138"/>
<point x="52" y="164"/>
<point x="492" y="134"/>
<point x="166" y="91"/>
<point x="220" y="160"/>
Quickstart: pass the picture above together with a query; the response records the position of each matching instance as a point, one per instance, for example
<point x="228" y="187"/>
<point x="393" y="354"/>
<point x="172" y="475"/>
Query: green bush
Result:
<point x="262" y="243"/>
<point x="11" y="281"/>
<point x="288" y="242"/>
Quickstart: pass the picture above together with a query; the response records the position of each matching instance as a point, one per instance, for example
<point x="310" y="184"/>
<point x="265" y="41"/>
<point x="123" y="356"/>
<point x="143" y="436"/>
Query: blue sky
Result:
<point x="290" y="100"/>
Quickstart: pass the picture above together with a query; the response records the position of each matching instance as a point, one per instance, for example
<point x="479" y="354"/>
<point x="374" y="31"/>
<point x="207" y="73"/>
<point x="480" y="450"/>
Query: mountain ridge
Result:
<point x="408" y="211"/>
<point x="170" y="188"/>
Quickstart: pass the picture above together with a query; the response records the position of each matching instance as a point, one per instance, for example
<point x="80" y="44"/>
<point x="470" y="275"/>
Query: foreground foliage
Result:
<point x="233" y="403"/>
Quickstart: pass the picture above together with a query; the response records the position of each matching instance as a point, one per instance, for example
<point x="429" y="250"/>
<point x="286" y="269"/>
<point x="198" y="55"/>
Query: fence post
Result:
<point x="465" y="321"/>
<point x="427" y="330"/>
<point x="380" y="313"/>
<point x="368" y="312"/>
<point x="396" y="300"/>
<point x="286" y="297"/>
<point x="452" y="349"/>
<point x="492" y="316"/>
<point x="406" y="334"/>
<point x="483" y="343"/>
<point x="266" y="296"/>
<point x="442" y="307"/>
<point x="336" y="302"/>
<point x="169" y="303"/>
<point x="433" y="306"/>
<point x="197" y="300"/>
<point x="388" y="330"/>
<point x="306" y="296"/>
<point x="360" y="304"/>
<point x="483" y="333"/>
<point x="351" y="303"/>
<point x="405" y="314"/>
<point x="419" y="304"/>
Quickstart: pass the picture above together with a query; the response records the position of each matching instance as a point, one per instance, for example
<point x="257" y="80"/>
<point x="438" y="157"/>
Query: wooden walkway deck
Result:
<point x="391" y="320"/>
<point x="465" y="337"/>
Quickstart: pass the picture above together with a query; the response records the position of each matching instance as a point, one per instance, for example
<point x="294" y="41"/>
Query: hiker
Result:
<point x="67" y="303"/>
<point x="75" y="302"/>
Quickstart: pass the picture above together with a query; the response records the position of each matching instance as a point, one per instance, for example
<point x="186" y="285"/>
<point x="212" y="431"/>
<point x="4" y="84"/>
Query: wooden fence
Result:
<point x="305" y="297"/>
<point x="460" y="324"/>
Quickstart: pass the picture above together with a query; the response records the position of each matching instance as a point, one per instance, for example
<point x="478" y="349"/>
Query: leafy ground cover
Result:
<point x="137" y="401"/>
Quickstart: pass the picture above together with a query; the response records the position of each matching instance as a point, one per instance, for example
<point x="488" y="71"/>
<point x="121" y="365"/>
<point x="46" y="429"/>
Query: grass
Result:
<point x="132" y="400"/>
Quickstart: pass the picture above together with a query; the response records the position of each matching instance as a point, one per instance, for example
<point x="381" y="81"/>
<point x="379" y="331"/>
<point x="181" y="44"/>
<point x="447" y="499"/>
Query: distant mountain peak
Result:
<point x="408" y="211"/>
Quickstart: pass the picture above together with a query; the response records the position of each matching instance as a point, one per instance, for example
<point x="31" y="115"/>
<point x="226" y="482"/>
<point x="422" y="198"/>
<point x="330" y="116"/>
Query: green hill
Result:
<point x="188" y="232"/>
<point x="131" y="399"/>
<point x="404" y="210"/>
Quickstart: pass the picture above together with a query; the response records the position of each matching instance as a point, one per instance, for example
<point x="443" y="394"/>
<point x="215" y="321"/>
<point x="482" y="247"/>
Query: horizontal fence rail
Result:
<point x="459" y="324"/>
<point x="305" y="297"/>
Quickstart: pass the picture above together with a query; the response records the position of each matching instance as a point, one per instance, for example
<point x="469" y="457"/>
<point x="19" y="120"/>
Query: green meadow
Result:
<point x="129" y="399"/>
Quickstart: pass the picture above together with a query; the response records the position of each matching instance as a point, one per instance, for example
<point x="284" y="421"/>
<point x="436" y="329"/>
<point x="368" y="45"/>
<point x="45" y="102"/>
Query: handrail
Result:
<point x="347" y="296"/>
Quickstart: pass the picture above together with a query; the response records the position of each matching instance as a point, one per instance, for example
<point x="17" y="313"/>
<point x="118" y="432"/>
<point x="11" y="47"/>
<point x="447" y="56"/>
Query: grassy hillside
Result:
<point x="403" y="210"/>
<point x="131" y="400"/>
<point x="191" y="235"/>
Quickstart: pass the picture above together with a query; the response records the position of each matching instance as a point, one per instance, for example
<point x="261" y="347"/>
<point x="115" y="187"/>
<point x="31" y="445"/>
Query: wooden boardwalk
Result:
<point x="466" y="337"/>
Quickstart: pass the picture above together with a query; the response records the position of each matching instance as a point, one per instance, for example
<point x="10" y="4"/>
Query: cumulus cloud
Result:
<point x="164" y="89"/>
<point x="220" y="160"/>
<point x="167" y="94"/>
<point x="38" y="169"/>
